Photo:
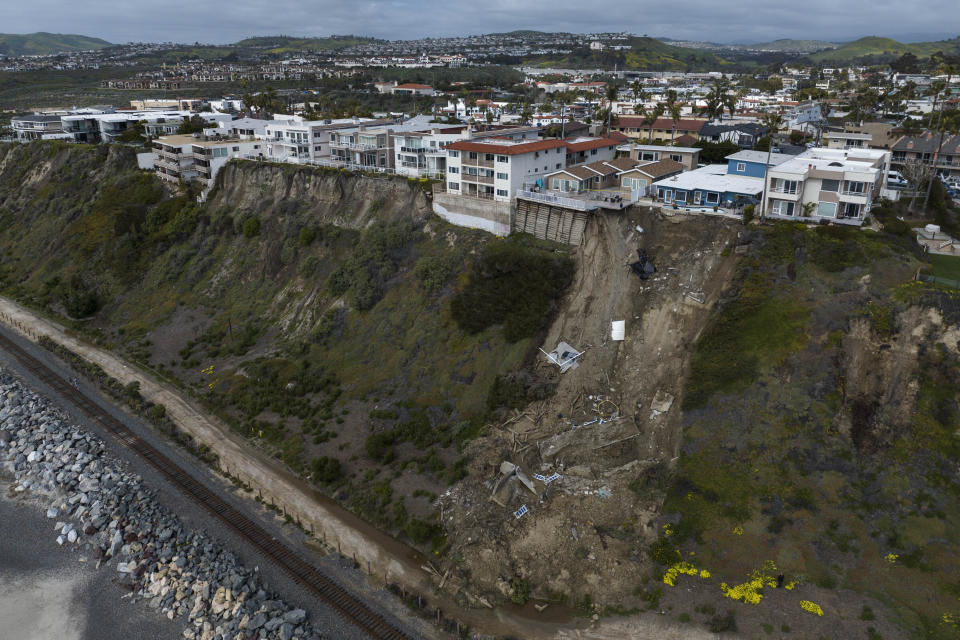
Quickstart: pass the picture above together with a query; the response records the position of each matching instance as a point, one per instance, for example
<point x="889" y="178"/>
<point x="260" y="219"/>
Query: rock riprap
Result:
<point x="102" y="510"/>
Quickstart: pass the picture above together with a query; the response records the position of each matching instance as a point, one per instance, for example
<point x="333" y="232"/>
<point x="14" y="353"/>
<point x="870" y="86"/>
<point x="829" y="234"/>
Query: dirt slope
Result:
<point x="579" y="538"/>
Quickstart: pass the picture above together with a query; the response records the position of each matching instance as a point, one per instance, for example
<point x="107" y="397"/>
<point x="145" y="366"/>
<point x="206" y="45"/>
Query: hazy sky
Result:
<point x="731" y="21"/>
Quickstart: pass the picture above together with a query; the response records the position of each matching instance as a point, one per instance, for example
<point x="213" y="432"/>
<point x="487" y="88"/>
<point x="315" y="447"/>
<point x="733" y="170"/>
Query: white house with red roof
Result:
<point x="407" y="88"/>
<point x="496" y="168"/>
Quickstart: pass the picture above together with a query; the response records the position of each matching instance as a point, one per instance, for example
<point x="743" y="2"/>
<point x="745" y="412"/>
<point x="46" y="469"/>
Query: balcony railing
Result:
<point x="357" y="146"/>
<point x="477" y="162"/>
<point x="479" y="179"/>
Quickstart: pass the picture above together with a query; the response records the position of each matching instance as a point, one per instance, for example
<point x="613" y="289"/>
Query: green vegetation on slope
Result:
<point x="325" y="334"/>
<point x="42" y="43"/>
<point x="821" y="460"/>
<point x="645" y="54"/>
<point x="886" y="49"/>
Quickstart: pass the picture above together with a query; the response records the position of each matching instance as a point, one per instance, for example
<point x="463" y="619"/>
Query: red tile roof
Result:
<point x="665" y="124"/>
<point x="411" y="85"/>
<point x="573" y="147"/>
<point x="505" y="149"/>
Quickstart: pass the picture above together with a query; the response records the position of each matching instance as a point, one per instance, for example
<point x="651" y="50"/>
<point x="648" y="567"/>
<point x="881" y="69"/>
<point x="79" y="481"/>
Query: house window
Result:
<point x="650" y="155"/>
<point x="472" y="155"/>
<point x="558" y="165"/>
<point x="830" y="185"/>
<point x="453" y="154"/>
<point x="855" y="188"/>
<point x="782" y="207"/>
<point x="713" y="198"/>
<point x="676" y="157"/>
<point x="453" y="170"/>
<point x="453" y="186"/>
<point x="741" y="167"/>
<point x="827" y="209"/>
<point x="784" y="186"/>
<point x="488" y="157"/>
<point x="593" y="152"/>
<point x="503" y="159"/>
<point x="503" y="176"/>
<point x="502" y="192"/>
<point x="236" y="148"/>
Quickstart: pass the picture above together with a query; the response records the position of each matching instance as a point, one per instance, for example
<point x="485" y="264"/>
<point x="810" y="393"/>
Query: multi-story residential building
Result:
<point x="495" y="168"/>
<point x="827" y="184"/>
<point x="209" y="156"/>
<point x="689" y="157"/>
<point x="196" y="157"/>
<point x="587" y="149"/>
<point x="846" y="140"/>
<point x="35" y="127"/>
<point x="930" y="150"/>
<point x="174" y="161"/>
<point x="107" y="127"/>
<point x="423" y="153"/>
<point x="663" y="129"/>
<point x="296" y="140"/>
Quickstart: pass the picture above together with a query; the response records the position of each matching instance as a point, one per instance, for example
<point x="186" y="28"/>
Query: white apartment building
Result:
<point x="827" y="184"/>
<point x="35" y="127"/>
<point x="306" y="140"/>
<point x="496" y="168"/>
<point x="196" y="157"/>
<point x="422" y="153"/>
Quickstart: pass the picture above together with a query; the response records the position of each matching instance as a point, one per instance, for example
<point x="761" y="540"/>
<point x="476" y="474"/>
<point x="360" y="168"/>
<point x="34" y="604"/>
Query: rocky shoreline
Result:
<point x="104" y="511"/>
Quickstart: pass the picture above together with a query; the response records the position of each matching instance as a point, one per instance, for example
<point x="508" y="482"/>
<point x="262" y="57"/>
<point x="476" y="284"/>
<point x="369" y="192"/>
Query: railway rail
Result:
<point x="301" y="571"/>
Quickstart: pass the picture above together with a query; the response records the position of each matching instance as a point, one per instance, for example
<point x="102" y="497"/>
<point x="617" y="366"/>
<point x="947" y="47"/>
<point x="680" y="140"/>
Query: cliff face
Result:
<point x="323" y="195"/>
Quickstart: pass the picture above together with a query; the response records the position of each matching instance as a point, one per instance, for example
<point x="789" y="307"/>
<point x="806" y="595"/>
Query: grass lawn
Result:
<point x="945" y="266"/>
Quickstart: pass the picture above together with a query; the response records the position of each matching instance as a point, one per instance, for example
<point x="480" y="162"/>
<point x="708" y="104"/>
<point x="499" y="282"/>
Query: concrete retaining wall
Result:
<point x="474" y="213"/>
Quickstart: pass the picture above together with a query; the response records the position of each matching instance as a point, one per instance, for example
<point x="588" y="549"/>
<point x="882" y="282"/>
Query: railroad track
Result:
<point x="301" y="571"/>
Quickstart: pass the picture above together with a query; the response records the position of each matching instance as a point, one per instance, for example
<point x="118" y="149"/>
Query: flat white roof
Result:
<point x="708" y="179"/>
<point x="801" y="165"/>
<point x="759" y="156"/>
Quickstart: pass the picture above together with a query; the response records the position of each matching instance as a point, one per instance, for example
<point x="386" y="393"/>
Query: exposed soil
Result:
<point x="585" y="534"/>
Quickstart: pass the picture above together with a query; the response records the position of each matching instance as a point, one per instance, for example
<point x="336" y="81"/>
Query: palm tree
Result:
<point x="675" y="110"/>
<point x="650" y="118"/>
<point x="611" y="96"/>
<point x="637" y="89"/>
<point x="525" y="113"/>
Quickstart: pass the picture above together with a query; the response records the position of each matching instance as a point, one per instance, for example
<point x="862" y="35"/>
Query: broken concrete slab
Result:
<point x="662" y="401"/>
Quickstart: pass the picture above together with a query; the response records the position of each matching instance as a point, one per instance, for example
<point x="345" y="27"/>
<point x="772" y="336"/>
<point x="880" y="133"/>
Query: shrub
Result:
<point x="866" y="614"/>
<point x="434" y="272"/>
<point x="748" y="212"/>
<point x="421" y="531"/>
<point x="512" y="285"/>
<point x="307" y="236"/>
<point x="721" y="623"/>
<point x="520" y="591"/>
<point x="379" y="446"/>
<point x="251" y="227"/>
<point x="326" y="470"/>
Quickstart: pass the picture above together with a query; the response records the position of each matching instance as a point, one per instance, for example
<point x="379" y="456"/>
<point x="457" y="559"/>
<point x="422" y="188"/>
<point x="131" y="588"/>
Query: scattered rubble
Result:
<point x="106" y="514"/>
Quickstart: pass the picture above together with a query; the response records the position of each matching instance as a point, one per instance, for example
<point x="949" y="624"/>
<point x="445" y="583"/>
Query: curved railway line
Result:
<point x="301" y="571"/>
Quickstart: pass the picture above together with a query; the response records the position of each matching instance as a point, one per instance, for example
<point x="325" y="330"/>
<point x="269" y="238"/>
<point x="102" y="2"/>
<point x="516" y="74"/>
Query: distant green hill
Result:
<point x="288" y="44"/>
<point x="644" y="54"/>
<point x="41" y="43"/>
<point x="788" y="45"/>
<point x="883" y="48"/>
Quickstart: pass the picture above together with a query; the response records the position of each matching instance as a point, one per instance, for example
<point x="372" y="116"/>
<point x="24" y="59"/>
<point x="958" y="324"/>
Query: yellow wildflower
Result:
<point x="812" y="607"/>
<point x="704" y="574"/>
<point x="891" y="558"/>
<point x="682" y="568"/>
<point x="738" y="531"/>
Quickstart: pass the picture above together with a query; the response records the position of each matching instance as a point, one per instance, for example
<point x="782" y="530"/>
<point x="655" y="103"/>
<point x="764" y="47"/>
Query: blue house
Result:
<point x="753" y="163"/>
